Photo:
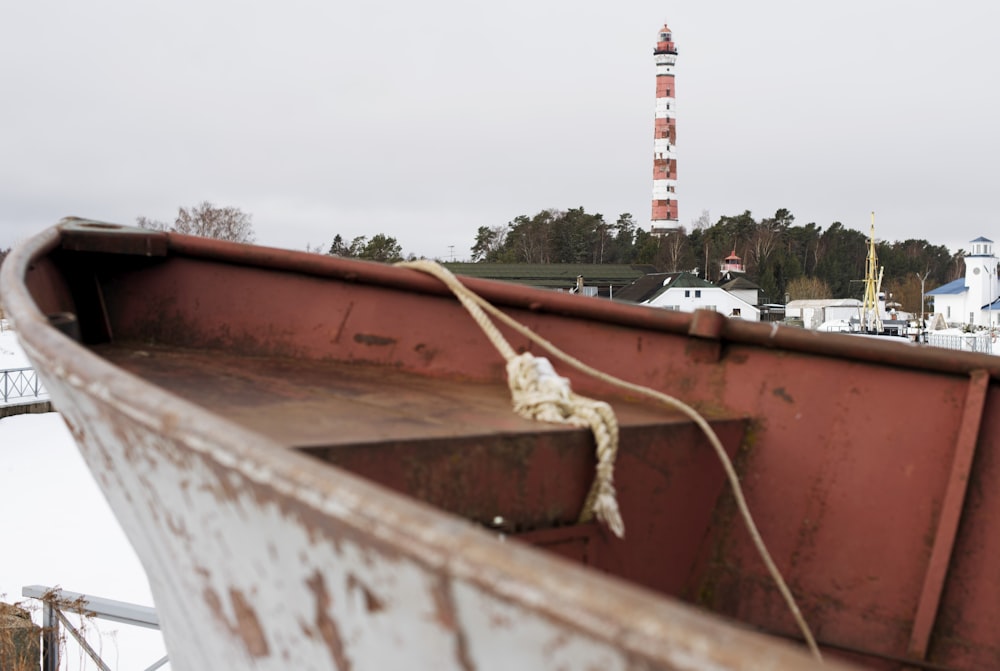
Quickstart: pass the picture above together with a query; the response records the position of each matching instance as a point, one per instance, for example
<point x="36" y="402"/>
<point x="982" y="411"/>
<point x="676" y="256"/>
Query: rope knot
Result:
<point x="539" y="393"/>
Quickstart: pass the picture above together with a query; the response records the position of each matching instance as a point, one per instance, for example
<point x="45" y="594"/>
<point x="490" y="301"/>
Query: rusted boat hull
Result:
<point x="314" y="462"/>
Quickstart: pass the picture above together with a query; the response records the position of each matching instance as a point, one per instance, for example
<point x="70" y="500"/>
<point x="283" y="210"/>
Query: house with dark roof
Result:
<point x="975" y="298"/>
<point x="686" y="292"/>
<point x="743" y="288"/>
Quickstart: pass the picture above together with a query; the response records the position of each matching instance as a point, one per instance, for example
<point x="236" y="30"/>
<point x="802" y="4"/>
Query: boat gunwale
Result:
<point x="703" y="324"/>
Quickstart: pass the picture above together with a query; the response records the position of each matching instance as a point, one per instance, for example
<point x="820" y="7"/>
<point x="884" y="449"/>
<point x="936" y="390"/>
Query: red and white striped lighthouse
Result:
<point x="664" y="217"/>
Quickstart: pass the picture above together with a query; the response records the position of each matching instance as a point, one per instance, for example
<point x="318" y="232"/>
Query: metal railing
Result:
<point x="21" y="384"/>
<point x="56" y="603"/>
<point x="967" y="342"/>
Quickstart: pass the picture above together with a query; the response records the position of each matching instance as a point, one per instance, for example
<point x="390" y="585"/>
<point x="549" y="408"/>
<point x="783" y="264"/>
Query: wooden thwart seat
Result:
<point x="459" y="446"/>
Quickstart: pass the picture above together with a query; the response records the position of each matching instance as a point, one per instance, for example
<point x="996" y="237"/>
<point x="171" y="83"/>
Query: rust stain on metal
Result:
<point x="78" y="433"/>
<point x="426" y="352"/>
<point x="444" y="609"/>
<point x="783" y="395"/>
<point x="324" y="623"/>
<point x="444" y="613"/>
<point x="740" y="357"/>
<point x="343" y="322"/>
<point x="369" y="339"/>
<point x="247" y="625"/>
<point x="500" y="621"/>
<point x="177" y="527"/>
<point x="373" y="604"/>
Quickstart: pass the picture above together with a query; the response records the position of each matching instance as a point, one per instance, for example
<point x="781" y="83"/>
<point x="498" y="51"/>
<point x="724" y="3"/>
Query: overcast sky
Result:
<point x="428" y="120"/>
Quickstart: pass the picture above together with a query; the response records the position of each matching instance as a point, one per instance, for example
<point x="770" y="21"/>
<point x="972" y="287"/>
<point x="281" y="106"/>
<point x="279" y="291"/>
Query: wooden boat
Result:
<point x="318" y="465"/>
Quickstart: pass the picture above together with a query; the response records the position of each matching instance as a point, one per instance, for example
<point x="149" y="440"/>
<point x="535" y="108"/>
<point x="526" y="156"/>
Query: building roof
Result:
<point x="553" y="275"/>
<point x="824" y="303"/>
<point x="740" y="284"/>
<point x="685" y="280"/>
<point x="642" y="288"/>
<point x="653" y="284"/>
<point x="981" y="239"/>
<point x="951" y="289"/>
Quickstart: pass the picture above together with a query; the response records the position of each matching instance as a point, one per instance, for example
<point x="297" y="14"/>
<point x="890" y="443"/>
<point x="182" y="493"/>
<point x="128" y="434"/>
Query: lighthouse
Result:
<point x="664" y="217"/>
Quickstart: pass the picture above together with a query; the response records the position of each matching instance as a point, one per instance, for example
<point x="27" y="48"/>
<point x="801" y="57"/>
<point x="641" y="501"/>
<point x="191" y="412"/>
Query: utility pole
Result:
<point x="923" y="325"/>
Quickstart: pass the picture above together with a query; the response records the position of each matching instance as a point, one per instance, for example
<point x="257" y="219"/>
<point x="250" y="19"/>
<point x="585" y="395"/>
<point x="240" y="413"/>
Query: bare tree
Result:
<point x="806" y="288"/>
<point x="703" y="221"/>
<point x="207" y="221"/>
<point x="764" y="241"/>
<point x="672" y="250"/>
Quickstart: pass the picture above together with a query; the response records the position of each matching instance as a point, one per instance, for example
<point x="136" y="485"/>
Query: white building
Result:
<point x="972" y="299"/>
<point x="686" y="293"/>
<point x="817" y="311"/>
<point x="842" y="314"/>
<point x="743" y="289"/>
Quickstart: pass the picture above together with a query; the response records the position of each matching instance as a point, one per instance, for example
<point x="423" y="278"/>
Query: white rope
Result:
<point x="538" y="393"/>
<point x="478" y="308"/>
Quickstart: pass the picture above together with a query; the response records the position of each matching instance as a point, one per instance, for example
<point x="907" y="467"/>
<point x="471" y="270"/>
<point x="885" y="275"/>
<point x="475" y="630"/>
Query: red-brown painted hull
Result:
<point x="218" y="389"/>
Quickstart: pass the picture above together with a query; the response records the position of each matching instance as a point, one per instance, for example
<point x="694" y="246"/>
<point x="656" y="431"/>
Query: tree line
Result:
<point x="786" y="260"/>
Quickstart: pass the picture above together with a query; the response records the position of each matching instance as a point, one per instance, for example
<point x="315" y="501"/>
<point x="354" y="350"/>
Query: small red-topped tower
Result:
<point x="664" y="217"/>
<point x="732" y="264"/>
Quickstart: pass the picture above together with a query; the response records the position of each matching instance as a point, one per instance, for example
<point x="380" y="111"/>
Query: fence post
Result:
<point x="50" y="638"/>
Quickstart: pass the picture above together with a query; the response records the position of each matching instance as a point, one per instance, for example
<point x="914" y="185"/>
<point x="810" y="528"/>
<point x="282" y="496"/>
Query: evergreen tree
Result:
<point x="380" y="248"/>
<point x="338" y="248"/>
<point x="842" y="256"/>
<point x="623" y="230"/>
<point x="489" y="243"/>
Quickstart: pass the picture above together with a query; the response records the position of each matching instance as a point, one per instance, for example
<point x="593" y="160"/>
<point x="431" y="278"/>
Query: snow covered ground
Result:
<point x="57" y="530"/>
<point x="11" y="354"/>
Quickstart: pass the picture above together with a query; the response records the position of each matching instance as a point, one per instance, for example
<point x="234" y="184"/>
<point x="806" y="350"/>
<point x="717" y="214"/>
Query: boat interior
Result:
<point x="321" y="367"/>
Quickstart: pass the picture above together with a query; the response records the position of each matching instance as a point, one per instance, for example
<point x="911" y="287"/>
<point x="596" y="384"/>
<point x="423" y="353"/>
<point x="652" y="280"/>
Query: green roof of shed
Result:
<point x="553" y="275"/>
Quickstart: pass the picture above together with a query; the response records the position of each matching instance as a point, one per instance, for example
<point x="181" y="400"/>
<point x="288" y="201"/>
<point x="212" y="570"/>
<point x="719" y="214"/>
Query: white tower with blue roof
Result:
<point x="981" y="282"/>
<point x="972" y="299"/>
